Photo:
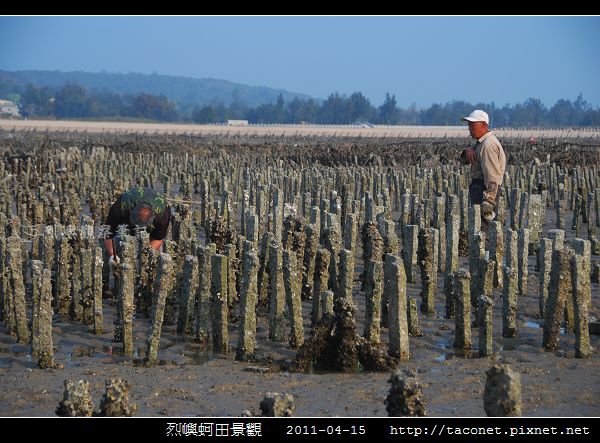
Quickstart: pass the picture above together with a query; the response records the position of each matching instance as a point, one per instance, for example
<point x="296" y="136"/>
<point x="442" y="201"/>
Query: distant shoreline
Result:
<point x="288" y="130"/>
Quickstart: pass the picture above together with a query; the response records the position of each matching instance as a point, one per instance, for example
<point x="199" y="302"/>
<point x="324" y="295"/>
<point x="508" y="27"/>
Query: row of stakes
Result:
<point x="501" y="398"/>
<point x="207" y="284"/>
<point x="292" y="258"/>
<point x="35" y="186"/>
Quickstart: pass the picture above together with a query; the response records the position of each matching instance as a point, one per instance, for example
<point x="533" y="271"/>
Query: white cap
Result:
<point x="477" y="116"/>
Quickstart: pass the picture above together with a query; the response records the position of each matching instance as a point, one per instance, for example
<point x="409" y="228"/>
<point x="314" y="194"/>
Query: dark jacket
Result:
<point x="120" y="211"/>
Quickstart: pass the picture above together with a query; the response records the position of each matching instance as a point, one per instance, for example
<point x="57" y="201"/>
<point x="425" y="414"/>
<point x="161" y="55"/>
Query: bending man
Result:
<point x="138" y="208"/>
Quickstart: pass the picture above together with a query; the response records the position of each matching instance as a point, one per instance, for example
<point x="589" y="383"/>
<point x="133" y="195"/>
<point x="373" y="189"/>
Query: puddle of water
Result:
<point x="141" y="361"/>
<point x="95" y="352"/>
<point x="532" y="324"/>
<point x="25" y="354"/>
<point x="460" y="353"/>
<point x="445" y="344"/>
<point x="82" y="352"/>
<point x="196" y="355"/>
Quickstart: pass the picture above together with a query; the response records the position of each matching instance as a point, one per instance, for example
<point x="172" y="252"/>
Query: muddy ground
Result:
<point x="192" y="381"/>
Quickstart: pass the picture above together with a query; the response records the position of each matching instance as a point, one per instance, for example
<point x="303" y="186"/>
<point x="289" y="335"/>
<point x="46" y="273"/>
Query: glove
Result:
<point x="469" y="156"/>
<point x="487" y="211"/>
<point x="114" y="262"/>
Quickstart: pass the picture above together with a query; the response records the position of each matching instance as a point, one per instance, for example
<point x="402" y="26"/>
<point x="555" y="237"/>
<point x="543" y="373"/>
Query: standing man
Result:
<point x="488" y="162"/>
<point x="138" y="208"/>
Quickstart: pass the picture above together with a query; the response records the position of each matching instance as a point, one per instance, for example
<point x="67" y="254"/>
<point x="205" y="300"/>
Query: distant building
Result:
<point x="9" y="108"/>
<point x="237" y="122"/>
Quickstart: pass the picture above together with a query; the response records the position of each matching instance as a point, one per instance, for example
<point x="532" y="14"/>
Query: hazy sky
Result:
<point x="420" y="59"/>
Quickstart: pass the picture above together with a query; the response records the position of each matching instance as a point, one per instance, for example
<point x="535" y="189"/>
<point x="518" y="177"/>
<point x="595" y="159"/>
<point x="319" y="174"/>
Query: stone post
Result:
<point x="395" y="284"/>
<point x="581" y="294"/>
<point x="410" y="246"/>
<point x="63" y="279"/>
<point x="162" y="286"/>
<point x="189" y="287"/>
<point x="46" y="348"/>
<point x="277" y="295"/>
<point x="98" y="264"/>
<point x="509" y="304"/>
<point x="559" y="289"/>
<point x="373" y="292"/>
<point x="522" y="256"/>
<point x="346" y="280"/>
<point x="497" y="251"/>
<point x="426" y="251"/>
<point x="203" y="310"/>
<point x="545" y="254"/>
<point x="17" y="292"/>
<point x="292" y="295"/>
<point x="320" y="279"/>
<point x="248" y="299"/>
<point x="310" y="252"/>
<point x="462" y="296"/>
<point x="218" y="293"/>
<point x="485" y="326"/>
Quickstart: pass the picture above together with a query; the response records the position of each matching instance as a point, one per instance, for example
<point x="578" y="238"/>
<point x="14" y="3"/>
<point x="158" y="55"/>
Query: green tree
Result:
<point x="71" y="102"/>
<point x="279" y="110"/>
<point x="434" y="115"/>
<point x="359" y="109"/>
<point x="561" y="114"/>
<point x="153" y="107"/>
<point x="388" y="112"/>
<point x="205" y="114"/>
<point x="410" y="116"/>
<point x="334" y="111"/>
<point x="237" y="108"/>
<point x="501" y="117"/>
<point x="105" y="104"/>
<point x="300" y="111"/>
<point x="532" y="113"/>
<point x="37" y="101"/>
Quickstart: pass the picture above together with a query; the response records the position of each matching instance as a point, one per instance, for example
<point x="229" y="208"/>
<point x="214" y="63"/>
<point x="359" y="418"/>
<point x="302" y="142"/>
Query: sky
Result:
<point x="422" y="60"/>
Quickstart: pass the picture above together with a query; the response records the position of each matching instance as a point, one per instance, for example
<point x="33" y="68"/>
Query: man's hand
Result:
<point x="114" y="262"/>
<point x="487" y="211"/>
<point x="468" y="156"/>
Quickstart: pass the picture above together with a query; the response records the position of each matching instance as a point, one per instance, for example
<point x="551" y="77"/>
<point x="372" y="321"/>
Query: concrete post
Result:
<point x="189" y="287"/>
<point x="373" y="292"/>
<point x="292" y="295"/>
<point x="320" y="279"/>
<point x="509" y="304"/>
<point x="277" y="295"/>
<point x="248" y="299"/>
<point x="559" y="289"/>
<point x="218" y="293"/>
<point x="462" y="294"/>
<point x="163" y="285"/>
<point x="485" y="326"/>
<point x="395" y="284"/>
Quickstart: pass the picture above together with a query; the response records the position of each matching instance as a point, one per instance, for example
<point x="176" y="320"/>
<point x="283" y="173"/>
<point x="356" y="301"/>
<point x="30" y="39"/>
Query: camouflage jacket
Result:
<point x="120" y="211"/>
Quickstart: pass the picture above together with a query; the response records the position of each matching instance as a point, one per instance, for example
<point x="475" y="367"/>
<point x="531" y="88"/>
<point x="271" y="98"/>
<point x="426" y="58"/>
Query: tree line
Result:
<point x="72" y="101"/>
